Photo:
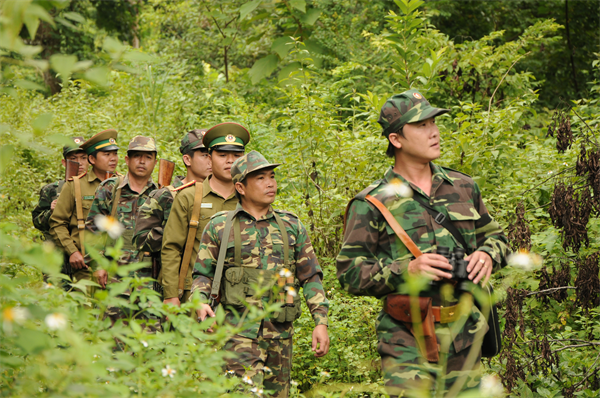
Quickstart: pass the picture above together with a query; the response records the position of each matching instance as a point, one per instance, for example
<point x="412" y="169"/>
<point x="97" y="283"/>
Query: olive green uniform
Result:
<point x="176" y="229"/>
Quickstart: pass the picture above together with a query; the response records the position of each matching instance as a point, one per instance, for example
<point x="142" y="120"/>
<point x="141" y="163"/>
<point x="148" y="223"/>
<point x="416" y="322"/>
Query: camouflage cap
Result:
<point x="227" y="136"/>
<point x="252" y="161"/>
<point x="139" y="143"/>
<point x="76" y="147"/>
<point x="192" y="140"/>
<point x="103" y="141"/>
<point x="408" y="107"/>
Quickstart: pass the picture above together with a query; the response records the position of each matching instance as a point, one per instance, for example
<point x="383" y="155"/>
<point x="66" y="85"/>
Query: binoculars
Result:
<point x="456" y="259"/>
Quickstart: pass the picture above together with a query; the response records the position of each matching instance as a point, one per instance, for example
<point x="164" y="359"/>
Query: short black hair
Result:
<point x="129" y="153"/>
<point x="390" y="152"/>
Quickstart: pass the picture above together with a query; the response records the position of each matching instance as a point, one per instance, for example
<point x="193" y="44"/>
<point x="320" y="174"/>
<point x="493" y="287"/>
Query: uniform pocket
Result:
<point x="463" y="217"/>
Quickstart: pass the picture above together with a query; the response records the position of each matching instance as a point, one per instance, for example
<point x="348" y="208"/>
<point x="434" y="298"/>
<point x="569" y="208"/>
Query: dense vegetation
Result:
<point x="308" y="79"/>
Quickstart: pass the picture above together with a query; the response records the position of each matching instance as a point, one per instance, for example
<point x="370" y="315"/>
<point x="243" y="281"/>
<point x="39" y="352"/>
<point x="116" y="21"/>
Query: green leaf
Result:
<point x="403" y="5"/>
<point x="97" y="75"/>
<point x="29" y="85"/>
<point x="310" y="17"/>
<point x="6" y="154"/>
<point x="64" y="65"/>
<point x="66" y="23"/>
<point x="41" y="122"/>
<point x="284" y="73"/>
<point x="299" y="5"/>
<point x="33" y="341"/>
<point x="263" y="68"/>
<point x="74" y="16"/>
<point x="282" y="46"/>
<point x="248" y="8"/>
<point x="138" y="56"/>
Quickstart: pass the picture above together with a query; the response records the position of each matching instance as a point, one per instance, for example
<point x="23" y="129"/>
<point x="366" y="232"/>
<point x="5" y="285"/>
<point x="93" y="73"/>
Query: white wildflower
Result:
<point x="267" y="369"/>
<point x="168" y="371"/>
<point x="247" y="380"/>
<point x="525" y="260"/>
<point x="491" y="387"/>
<point x="291" y="291"/>
<point x="325" y="374"/>
<point x="285" y="273"/>
<point x="48" y="285"/>
<point x="294" y="383"/>
<point x="56" y="321"/>
<point x="230" y="372"/>
<point x="257" y="391"/>
<point x="109" y="225"/>
<point x="550" y="172"/>
<point x="398" y="188"/>
<point x="145" y="343"/>
<point x="15" y="314"/>
<point x="111" y="369"/>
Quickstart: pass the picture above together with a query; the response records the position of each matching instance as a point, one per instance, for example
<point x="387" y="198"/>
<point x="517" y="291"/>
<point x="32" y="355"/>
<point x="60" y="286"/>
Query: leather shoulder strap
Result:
<point x="216" y="284"/>
<point x="408" y="242"/>
<point x="79" y="210"/>
<point x="191" y="237"/>
<point x="360" y="196"/>
<point x="116" y="196"/>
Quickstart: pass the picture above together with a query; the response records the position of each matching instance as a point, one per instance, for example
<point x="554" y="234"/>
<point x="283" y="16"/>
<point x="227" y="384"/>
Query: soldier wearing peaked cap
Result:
<point x="154" y="213"/>
<point x="194" y="205"/>
<point x="67" y="223"/>
<point x="443" y="209"/>
<point x="276" y="251"/>
<point x="49" y="193"/>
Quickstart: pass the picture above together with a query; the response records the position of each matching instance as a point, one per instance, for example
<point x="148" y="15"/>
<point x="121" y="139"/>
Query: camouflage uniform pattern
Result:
<point x="373" y="260"/>
<point x="152" y="217"/>
<point x="141" y="143"/>
<point x="42" y="212"/>
<point x="267" y="342"/>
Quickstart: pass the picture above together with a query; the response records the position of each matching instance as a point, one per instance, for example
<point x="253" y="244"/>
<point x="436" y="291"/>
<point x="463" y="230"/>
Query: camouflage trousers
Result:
<point x="268" y="362"/>
<point x="408" y="374"/>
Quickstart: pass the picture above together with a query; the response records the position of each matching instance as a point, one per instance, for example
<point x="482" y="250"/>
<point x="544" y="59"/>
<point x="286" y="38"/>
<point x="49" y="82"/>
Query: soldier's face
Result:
<point x="79" y="157"/>
<point x="141" y="163"/>
<point x="260" y="188"/>
<point x="105" y="161"/>
<point x="200" y="163"/>
<point x="222" y="162"/>
<point x="421" y="141"/>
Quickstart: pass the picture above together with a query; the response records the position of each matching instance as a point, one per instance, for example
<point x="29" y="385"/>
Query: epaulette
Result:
<point x="456" y="171"/>
<point x="289" y="213"/>
<point x="189" y="184"/>
<point x="363" y="194"/>
<point x="80" y="176"/>
<point x="221" y="213"/>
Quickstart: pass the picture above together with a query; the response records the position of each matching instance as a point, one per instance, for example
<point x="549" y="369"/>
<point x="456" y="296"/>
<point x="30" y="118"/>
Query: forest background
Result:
<point x="308" y="79"/>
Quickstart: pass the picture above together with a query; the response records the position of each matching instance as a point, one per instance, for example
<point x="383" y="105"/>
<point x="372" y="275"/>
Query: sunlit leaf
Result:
<point x="41" y="122"/>
<point x="97" y="75"/>
<point x="310" y="17"/>
<point x="248" y="8"/>
<point x="282" y="46"/>
<point x="29" y="85"/>
<point x="64" y="65"/>
<point x="263" y="68"/>
<point x="299" y="5"/>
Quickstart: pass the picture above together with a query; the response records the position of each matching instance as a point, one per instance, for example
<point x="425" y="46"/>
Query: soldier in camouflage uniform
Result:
<point x="265" y="348"/>
<point x="374" y="262"/>
<point x="153" y="214"/>
<point x="120" y="198"/>
<point x="49" y="193"/>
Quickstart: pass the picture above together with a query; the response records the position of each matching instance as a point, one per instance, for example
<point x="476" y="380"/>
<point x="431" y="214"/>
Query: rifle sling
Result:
<point x="79" y="210"/>
<point x="191" y="236"/>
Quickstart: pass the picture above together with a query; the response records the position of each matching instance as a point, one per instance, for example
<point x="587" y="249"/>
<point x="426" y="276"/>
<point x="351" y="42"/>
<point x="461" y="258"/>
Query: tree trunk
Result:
<point x="570" y="48"/>
<point x="226" y="65"/>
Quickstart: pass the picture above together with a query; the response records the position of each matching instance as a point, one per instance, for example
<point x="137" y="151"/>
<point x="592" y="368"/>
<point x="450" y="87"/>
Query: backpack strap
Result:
<point x="216" y="285"/>
<point x="79" y="210"/>
<point x="289" y="299"/>
<point x="61" y="183"/>
<point x="191" y="237"/>
<point x="116" y="196"/>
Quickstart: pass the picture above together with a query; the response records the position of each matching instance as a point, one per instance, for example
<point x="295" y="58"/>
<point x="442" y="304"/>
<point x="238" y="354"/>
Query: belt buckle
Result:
<point x="447" y="315"/>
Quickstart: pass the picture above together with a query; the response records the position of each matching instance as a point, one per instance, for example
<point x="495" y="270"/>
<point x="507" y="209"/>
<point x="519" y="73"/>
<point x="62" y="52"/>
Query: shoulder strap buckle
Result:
<point x="440" y="218"/>
<point x="194" y="223"/>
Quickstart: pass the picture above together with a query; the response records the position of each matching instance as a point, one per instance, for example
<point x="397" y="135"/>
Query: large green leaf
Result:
<point x="311" y="16"/>
<point x="41" y="122"/>
<point x="98" y="75"/>
<point x="298" y="5"/>
<point x="248" y="8"/>
<point x="263" y="68"/>
<point x="282" y="46"/>
<point x="64" y="65"/>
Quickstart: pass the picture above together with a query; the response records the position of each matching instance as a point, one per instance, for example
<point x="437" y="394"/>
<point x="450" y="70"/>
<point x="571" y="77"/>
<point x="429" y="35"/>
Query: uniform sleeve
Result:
<point x="148" y="233"/>
<point x="174" y="238"/>
<point x="42" y="212"/>
<point x="489" y="235"/>
<point x="310" y="275"/>
<point x="60" y="220"/>
<point x="363" y="268"/>
<point x="102" y="205"/>
<point x="206" y="261"/>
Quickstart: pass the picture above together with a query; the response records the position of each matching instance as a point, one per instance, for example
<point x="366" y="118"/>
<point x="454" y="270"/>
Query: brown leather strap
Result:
<point x="79" y="210"/>
<point x="191" y="237"/>
<point x="408" y="242"/>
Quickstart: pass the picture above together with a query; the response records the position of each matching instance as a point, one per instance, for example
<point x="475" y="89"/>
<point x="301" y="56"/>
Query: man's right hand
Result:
<point x="431" y="265"/>
<point x="76" y="261"/>
<point x="102" y="277"/>
<point x="53" y="204"/>
<point x="175" y="301"/>
<point x="205" y="311"/>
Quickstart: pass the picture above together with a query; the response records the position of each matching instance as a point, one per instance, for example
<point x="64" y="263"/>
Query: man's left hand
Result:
<point x="320" y="338"/>
<point x="480" y="266"/>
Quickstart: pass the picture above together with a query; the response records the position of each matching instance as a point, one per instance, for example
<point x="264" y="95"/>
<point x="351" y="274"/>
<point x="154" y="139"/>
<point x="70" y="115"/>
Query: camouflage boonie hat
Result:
<point x="103" y="141"/>
<point x="192" y="141"/>
<point x="77" y="141"/>
<point x="252" y="161"/>
<point x="228" y="136"/>
<point x="139" y="143"/>
<point x="408" y="107"/>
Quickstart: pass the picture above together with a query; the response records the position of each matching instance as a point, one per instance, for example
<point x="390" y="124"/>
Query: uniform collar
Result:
<point x="91" y="175"/>
<point x="149" y="184"/>
<point x="267" y="216"/>
<point x="436" y="171"/>
<point x="206" y="189"/>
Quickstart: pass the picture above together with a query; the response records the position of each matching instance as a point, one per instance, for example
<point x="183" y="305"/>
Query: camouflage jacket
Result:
<point x="127" y="208"/>
<point x="262" y="247"/>
<point x="152" y="217"/>
<point x="42" y="212"/>
<point x="373" y="260"/>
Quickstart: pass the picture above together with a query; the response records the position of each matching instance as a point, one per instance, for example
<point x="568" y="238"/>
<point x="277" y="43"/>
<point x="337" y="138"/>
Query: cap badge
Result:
<point x="77" y="140"/>
<point x="112" y="141"/>
<point x="230" y="138"/>
<point x="417" y="95"/>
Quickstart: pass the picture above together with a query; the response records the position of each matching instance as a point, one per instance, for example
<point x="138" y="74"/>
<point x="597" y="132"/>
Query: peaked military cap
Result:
<point x="139" y="143"/>
<point x="408" y="107"/>
<point x="104" y="141"/>
<point x="76" y="147"/>
<point x="192" y="141"/>
<point x="227" y="136"/>
<point x="252" y="161"/>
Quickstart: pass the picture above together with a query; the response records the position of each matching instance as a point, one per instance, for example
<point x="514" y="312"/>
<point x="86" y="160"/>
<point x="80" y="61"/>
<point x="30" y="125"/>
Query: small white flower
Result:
<point x="15" y="314"/>
<point x="109" y="225"/>
<point x="325" y="374"/>
<point x="168" y="371"/>
<point x="111" y="369"/>
<point x="145" y="343"/>
<point x="247" y="380"/>
<point x="48" y="286"/>
<point x="291" y="291"/>
<point x="566" y="164"/>
<point x="329" y="292"/>
<point x="267" y="369"/>
<point x="257" y="391"/>
<point x="398" y="188"/>
<point x="286" y="273"/>
<point x="56" y="321"/>
<point x="230" y="372"/>
<point x="525" y="260"/>
<point x="294" y="383"/>
<point x="550" y="172"/>
<point x="491" y="387"/>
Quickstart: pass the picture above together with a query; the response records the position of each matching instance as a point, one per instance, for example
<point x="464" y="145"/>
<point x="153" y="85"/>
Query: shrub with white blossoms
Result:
<point x="168" y="371"/>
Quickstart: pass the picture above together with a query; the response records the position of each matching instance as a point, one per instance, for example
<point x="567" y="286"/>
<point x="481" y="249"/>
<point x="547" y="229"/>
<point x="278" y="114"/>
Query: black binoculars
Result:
<point x="456" y="259"/>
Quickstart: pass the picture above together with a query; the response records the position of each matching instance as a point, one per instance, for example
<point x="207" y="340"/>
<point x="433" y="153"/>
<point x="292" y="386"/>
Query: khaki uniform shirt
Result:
<point x="176" y="229"/>
<point x="63" y="222"/>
